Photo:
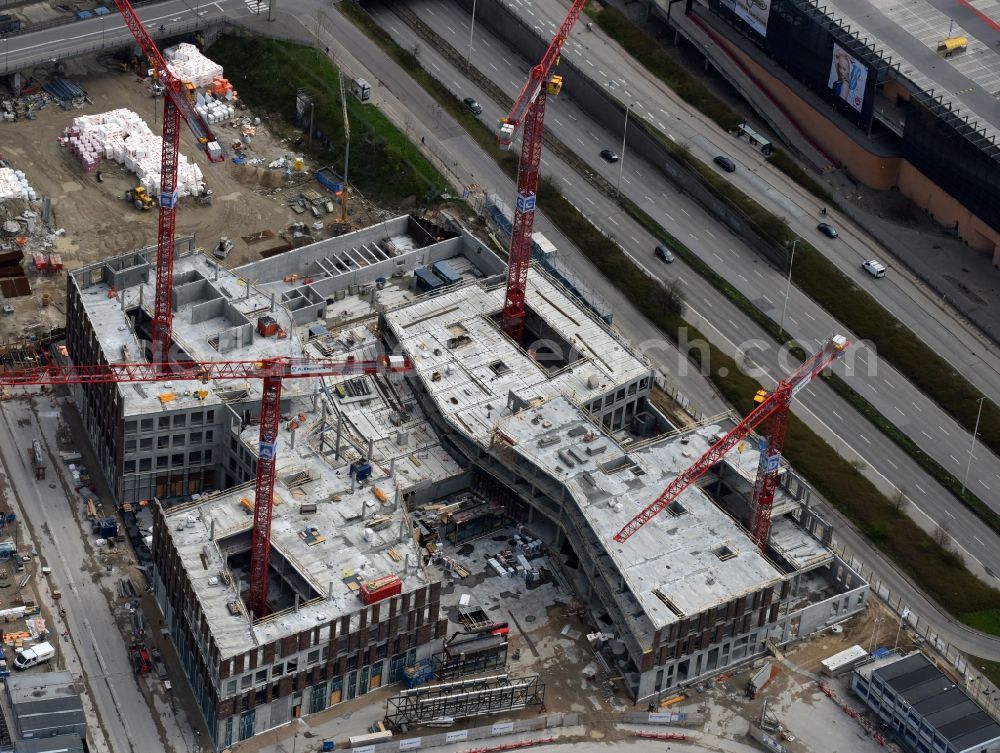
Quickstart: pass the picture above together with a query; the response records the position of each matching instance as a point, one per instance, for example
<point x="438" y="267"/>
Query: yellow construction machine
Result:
<point x="139" y="197"/>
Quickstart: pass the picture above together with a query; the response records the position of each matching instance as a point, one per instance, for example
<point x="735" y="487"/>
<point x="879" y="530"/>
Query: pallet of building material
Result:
<point x="394" y="554"/>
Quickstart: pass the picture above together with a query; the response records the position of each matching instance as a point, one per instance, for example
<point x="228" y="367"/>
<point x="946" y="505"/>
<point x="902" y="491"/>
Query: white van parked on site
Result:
<point x="37" y="654"/>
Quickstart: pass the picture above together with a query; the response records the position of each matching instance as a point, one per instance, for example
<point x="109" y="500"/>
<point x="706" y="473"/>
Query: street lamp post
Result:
<point x="102" y="32"/>
<point x="472" y="28"/>
<point x="621" y="162"/>
<point x="972" y="447"/>
<point x="788" y="286"/>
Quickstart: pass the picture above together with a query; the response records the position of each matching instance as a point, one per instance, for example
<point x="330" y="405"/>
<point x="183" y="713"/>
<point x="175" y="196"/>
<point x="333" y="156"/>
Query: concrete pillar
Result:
<point x="291" y="441"/>
<point x="370" y="445"/>
<point x="336" y="447"/>
<point x="296" y="601"/>
<point x="211" y="531"/>
<point x="406" y="564"/>
<point x="271" y="307"/>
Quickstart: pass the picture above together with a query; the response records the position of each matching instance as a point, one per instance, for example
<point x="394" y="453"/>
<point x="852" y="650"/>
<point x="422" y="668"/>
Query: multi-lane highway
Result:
<point x="850" y="434"/>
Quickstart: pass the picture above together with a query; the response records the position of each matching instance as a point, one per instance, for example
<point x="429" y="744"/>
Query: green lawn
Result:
<point x="385" y="166"/>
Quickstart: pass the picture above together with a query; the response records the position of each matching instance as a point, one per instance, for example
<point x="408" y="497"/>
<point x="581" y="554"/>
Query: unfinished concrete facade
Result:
<point x="559" y="431"/>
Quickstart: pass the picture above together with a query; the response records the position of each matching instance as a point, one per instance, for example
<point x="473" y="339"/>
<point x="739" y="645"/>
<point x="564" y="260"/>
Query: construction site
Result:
<point x="368" y="451"/>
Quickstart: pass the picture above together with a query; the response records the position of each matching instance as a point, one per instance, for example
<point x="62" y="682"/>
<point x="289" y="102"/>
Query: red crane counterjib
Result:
<point x="279" y="368"/>
<point x="540" y="73"/>
<point x="174" y="86"/>
<point x="776" y="401"/>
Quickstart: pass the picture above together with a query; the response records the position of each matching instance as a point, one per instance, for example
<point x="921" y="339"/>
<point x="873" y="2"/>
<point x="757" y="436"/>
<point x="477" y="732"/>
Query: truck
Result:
<point x="37" y="654"/>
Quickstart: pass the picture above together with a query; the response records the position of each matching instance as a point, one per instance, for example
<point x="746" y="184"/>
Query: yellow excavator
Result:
<point x="139" y="197"/>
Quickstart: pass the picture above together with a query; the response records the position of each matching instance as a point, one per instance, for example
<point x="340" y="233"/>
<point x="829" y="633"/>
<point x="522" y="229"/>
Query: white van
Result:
<point x="37" y="654"/>
<point x="874" y="267"/>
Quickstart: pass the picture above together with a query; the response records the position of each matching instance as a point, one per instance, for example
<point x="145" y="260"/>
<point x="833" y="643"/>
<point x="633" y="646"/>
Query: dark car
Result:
<point x="609" y="156"/>
<point x="664" y="254"/>
<point x="725" y="163"/>
<point x="828" y="230"/>
<point x="474" y="107"/>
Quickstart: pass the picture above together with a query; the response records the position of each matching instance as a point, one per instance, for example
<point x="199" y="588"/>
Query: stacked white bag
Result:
<point x="187" y="63"/>
<point x="123" y="136"/>
<point x="14" y="185"/>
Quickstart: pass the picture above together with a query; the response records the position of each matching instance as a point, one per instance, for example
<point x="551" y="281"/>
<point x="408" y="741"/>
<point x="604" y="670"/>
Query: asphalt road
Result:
<point x="849" y="433"/>
<point x="96" y="648"/>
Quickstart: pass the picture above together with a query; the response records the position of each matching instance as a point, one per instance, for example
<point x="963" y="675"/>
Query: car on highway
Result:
<point x="827" y="229"/>
<point x="609" y="156"/>
<point x="725" y="163"/>
<point x="663" y="254"/>
<point x="474" y="107"/>
<point x="874" y="267"/>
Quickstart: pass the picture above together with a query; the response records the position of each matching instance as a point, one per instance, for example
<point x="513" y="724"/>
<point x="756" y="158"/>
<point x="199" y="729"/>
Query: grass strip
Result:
<point x="392" y="169"/>
<point x="760" y="217"/>
<point x="813" y="273"/>
<point x="940" y="573"/>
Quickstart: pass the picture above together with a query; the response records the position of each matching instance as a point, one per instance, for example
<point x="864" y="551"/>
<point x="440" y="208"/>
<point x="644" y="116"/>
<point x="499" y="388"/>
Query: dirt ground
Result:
<point x="98" y="222"/>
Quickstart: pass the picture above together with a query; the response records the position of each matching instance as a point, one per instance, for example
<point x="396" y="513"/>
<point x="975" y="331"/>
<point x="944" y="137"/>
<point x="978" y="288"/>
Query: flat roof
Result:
<point x="342" y="548"/>
<point x="694" y="559"/>
<point x="938" y="700"/>
<point x="34" y="687"/>
<point x="468" y="365"/>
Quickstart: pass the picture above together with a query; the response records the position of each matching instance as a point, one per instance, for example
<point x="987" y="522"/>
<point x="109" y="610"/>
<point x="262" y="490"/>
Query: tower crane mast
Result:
<point x="271" y="370"/>
<point x="774" y="407"/>
<point x="176" y="105"/>
<point x="528" y="113"/>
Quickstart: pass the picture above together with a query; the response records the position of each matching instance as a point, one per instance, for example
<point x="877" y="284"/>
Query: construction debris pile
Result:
<point x="187" y="63"/>
<point x="14" y="185"/>
<point x="123" y="136"/>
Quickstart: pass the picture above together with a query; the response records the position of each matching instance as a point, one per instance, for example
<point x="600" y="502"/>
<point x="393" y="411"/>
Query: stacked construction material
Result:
<point x="188" y="64"/>
<point x="14" y="185"/>
<point x="213" y="110"/>
<point x="123" y="136"/>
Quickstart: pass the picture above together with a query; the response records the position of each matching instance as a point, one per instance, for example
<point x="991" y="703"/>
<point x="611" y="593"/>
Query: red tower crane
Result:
<point x="528" y="112"/>
<point x="272" y="371"/>
<point x="176" y="105"/>
<point x="774" y="407"/>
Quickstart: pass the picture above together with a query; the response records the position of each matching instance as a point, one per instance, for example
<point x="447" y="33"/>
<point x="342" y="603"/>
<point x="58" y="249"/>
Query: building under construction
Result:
<point x="557" y="433"/>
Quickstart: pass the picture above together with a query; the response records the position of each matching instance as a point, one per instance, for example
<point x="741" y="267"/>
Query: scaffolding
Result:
<point x="464" y="698"/>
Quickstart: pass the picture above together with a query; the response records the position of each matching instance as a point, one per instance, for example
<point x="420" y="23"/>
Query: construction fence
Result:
<point x="975" y="683"/>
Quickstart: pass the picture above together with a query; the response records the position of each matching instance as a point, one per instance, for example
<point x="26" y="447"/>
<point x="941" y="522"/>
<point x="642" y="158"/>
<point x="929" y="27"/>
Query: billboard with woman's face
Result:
<point x="848" y="77"/>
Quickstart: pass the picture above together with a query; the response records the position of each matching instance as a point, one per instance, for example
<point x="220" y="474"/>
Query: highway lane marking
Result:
<point x="435" y="66"/>
<point x="767" y="299"/>
<point x="811" y="317"/>
<point x="733" y="252"/>
<point x="614" y="221"/>
<point x="810" y="391"/>
<point x="716" y="256"/>
<point x="872" y="387"/>
<point x="707" y="303"/>
<point x="634" y="238"/>
<point x="837" y="415"/>
<point x="957" y="461"/>
<point x="485" y="42"/>
<point x="926" y="434"/>
<point x="686" y="212"/>
<point x="580" y="140"/>
<point x="491" y="66"/>
<point x="601" y="73"/>
<point x="545" y="162"/>
<point x="451" y="30"/>
<point x="944" y="430"/>
<point x="916" y="406"/>
<point x="757" y="272"/>
<point x="793" y="321"/>
<point x="950" y="514"/>
<point x="664" y="111"/>
<point x="589" y="63"/>
<point x="709" y="233"/>
<point x="891" y="385"/>
<point x="695" y="237"/>
<point x="867" y="440"/>
<point x="669" y="217"/>
<point x="558" y="122"/>
<point x="920" y="488"/>
<point x="732" y="323"/>
<point x="394" y="30"/>
<point x="431" y="12"/>
<point x="649" y="199"/>
<point x="743" y="277"/>
<point x="626" y="180"/>
<point x="593" y="136"/>
<point x="590" y="200"/>
<point x="572" y="117"/>
<point x="984" y="484"/>
<point x="979" y="540"/>
<point x="895" y="467"/>
<point x="900" y="412"/>
<point x="681" y="280"/>
<point x="506" y="60"/>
